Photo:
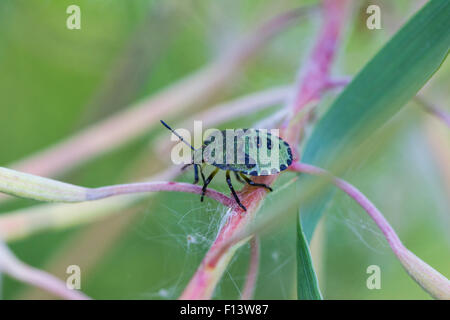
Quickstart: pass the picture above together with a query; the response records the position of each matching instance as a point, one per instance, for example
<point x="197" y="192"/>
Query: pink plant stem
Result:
<point x="373" y="212"/>
<point x="155" y="186"/>
<point x="428" y="278"/>
<point x="22" y="223"/>
<point x="316" y="75"/>
<point x="15" y="268"/>
<point x="253" y="268"/>
<point x="241" y="107"/>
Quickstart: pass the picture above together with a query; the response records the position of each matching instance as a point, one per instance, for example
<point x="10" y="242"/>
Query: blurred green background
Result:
<point x="55" y="81"/>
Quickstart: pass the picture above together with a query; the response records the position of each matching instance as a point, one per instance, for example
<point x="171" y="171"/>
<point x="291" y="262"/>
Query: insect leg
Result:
<point x="254" y="184"/>
<point x="208" y="180"/>
<point x="195" y="173"/>
<point x="238" y="178"/>
<point x="234" y="192"/>
<point x="185" y="166"/>
<point x="201" y="173"/>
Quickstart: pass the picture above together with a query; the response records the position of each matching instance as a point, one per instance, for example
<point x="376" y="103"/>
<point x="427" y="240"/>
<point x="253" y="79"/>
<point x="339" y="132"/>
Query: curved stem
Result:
<point x="428" y="278"/>
<point x="155" y="186"/>
<point x="312" y="83"/>
<point x="43" y="189"/>
<point x="22" y="222"/>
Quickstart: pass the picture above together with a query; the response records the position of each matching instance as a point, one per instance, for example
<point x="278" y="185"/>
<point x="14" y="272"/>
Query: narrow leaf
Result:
<point x="307" y="283"/>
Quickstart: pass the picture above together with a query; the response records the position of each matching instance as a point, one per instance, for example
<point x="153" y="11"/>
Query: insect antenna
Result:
<point x="179" y="137"/>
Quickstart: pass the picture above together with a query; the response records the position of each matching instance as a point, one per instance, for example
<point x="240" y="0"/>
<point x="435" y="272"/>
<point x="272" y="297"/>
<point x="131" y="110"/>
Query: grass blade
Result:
<point x="307" y="283"/>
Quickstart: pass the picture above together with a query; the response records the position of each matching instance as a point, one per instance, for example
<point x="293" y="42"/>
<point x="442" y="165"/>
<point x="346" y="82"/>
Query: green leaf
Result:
<point x="307" y="284"/>
<point x="376" y="94"/>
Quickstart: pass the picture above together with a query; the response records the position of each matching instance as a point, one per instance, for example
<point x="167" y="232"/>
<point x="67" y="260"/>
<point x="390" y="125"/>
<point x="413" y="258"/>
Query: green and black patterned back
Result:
<point x="253" y="152"/>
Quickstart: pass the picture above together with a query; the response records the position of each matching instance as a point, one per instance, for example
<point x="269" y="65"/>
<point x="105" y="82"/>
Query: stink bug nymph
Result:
<point x="251" y="152"/>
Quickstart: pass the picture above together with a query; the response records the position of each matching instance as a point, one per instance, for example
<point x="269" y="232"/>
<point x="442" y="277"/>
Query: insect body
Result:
<point x="244" y="152"/>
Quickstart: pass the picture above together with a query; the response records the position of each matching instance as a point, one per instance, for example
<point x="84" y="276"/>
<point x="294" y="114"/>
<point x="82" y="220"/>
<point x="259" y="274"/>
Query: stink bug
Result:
<point x="249" y="152"/>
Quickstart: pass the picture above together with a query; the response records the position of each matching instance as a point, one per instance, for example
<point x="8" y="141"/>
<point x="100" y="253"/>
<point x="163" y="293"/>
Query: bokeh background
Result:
<point x="55" y="81"/>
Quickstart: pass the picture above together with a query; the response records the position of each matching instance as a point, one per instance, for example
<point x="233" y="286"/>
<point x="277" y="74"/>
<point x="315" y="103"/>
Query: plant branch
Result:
<point x="156" y="186"/>
<point x="208" y="274"/>
<point x="437" y="285"/>
<point x="38" y="188"/>
<point x="24" y="222"/>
